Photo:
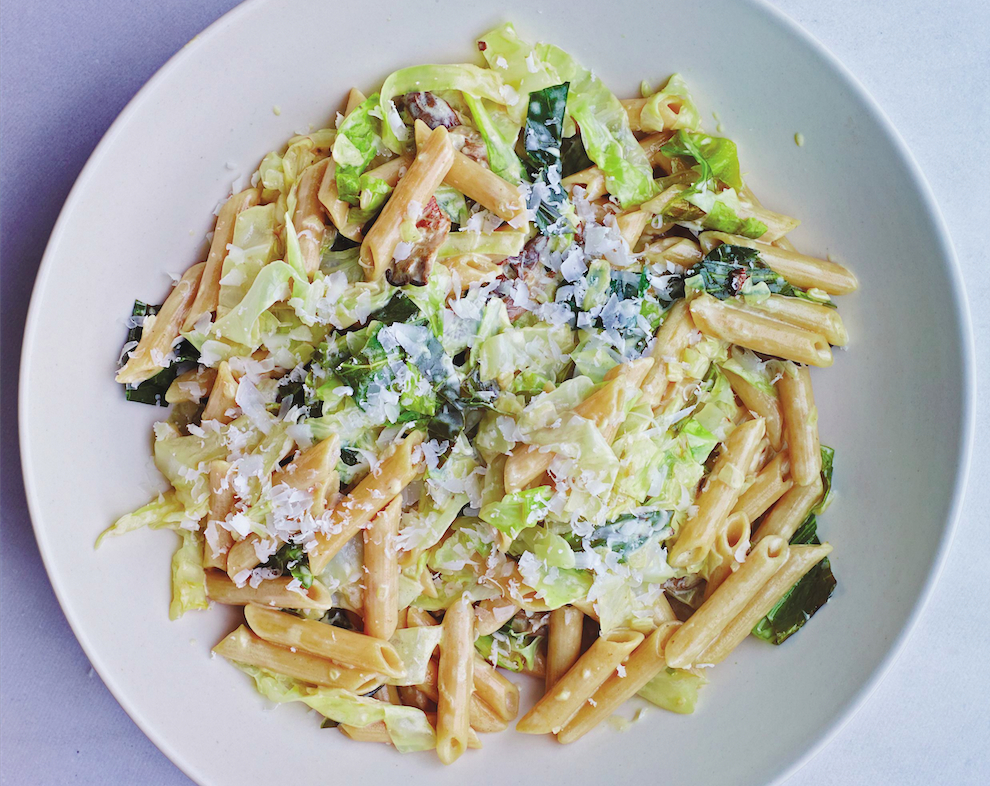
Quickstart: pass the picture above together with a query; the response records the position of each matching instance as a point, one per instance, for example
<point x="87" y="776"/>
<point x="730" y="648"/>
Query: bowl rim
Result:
<point x="963" y="324"/>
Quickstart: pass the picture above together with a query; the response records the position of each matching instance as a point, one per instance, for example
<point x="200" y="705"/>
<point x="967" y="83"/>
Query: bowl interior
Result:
<point x="895" y="406"/>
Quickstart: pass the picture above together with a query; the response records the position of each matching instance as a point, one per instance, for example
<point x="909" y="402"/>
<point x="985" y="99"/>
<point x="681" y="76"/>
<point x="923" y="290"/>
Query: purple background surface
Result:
<point x="68" y="68"/>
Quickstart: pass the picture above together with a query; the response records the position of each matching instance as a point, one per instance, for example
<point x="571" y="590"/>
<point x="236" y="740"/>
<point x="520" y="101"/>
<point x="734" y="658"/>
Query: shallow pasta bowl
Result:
<point x="896" y="407"/>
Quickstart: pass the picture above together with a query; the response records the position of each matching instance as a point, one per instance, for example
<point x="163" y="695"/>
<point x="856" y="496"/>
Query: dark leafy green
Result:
<point x="573" y="156"/>
<point x="152" y="391"/>
<point x="399" y="309"/>
<point x="542" y="139"/>
<point x="828" y="458"/>
<point x="629" y="532"/>
<point x="291" y="558"/>
<point x="804" y="599"/>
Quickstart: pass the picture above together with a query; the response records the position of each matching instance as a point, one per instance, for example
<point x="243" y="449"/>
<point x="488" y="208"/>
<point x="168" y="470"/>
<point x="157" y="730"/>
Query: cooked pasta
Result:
<point x="499" y="375"/>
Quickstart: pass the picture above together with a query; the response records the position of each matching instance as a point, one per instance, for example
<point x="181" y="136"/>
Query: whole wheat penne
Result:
<point x="307" y="218"/>
<point x="563" y="642"/>
<point x="148" y="357"/>
<point x="223" y="396"/>
<point x="354" y="99"/>
<point x="672" y="339"/>
<point x="479" y="183"/>
<point x="799" y="269"/>
<point x="337" y="208"/>
<point x="800" y="560"/>
<point x="750" y="329"/>
<point x="641" y="666"/>
<point x="455" y="681"/>
<point x="731" y="545"/>
<point x="243" y="555"/>
<point x="413" y="697"/>
<point x="472" y="269"/>
<point x="790" y="510"/>
<point x="651" y="146"/>
<point x="631" y="224"/>
<point x="191" y="386"/>
<point x="815" y="317"/>
<point x="342" y="646"/>
<point x="314" y="471"/>
<point x="769" y="486"/>
<point x="797" y="404"/>
<point x="718" y="496"/>
<point x="592" y="180"/>
<point x="427" y="171"/>
<point x="484" y="719"/>
<point x="246" y="647"/>
<point x="372" y="494"/>
<point x="496" y="691"/>
<point x="711" y="618"/>
<point x="221" y="503"/>
<point x="762" y="404"/>
<point x="270" y="592"/>
<point x="377" y="732"/>
<point x="381" y="581"/>
<point x="208" y="289"/>
<point x="564" y="699"/>
<point x="490" y="615"/>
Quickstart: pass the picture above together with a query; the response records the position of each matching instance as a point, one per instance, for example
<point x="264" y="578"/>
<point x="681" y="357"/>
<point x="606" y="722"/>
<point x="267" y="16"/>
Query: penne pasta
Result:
<point x="762" y="404"/>
<point x="314" y="472"/>
<point x="766" y="489"/>
<point x="246" y="647"/>
<point x="711" y="618"/>
<point x="731" y="545"/>
<point x="222" y="404"/>
<point x="790" y="511"/>
<point x="377" y="732"/>
<point x="433" y="161"/>
<point x="501" y="695"/>
<point x="243" y="555"/>
<point x="381" y="582"/>
<point x="672" y="339"/>
<point x="472" y="269"/>
<point x="148" y="357"/>
<point x="631" y="225"/>
<point x="643" y="665"/>
<point x="718" y="496"/>
<point x="307" y="218"/>
<point x="752" y="330"/>
<point x="810" y="316"/>
<point x="455" y="681"/>
<point x="592" y="180"/>
<point x="337" y="208"/>
<point x="652" y="145"/>
<point x="799" y="269"/>
<point x="221" y="503"/>
<point x="357" y="650"/>
<point x="797" y="403"/>
<point x="208" y="289"/>
<point x="559" y="704"/>
<point x="479" y="183"/>
<point x="563" y="642"/>
<point x="372" y="494"/>
<point x="800" y="560"/>
<point x="271" y="592"/>
<point x="490" y="615"/>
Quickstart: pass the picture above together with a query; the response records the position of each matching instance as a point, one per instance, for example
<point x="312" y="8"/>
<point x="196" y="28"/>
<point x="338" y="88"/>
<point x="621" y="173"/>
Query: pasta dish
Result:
<point x="497" y="373"/>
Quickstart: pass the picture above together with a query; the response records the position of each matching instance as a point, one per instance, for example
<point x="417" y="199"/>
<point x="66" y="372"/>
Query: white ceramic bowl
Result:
<point x="896" y="407"/>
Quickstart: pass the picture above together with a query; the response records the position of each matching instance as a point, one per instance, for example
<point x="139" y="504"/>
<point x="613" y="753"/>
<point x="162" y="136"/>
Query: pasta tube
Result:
<point x="751" y="330"/>
<point x="711" y="618"/>
<point x="797" y="402"/>
<point x="800" y="560"/>
<point x="245" y="647"/>
<point x="455" y="681"/>
<point x="761" y="404"/>
<point x="718" y="496"/>
<point x="766" y="489"/>
<point x="642" y="666"/>
<point x="148" y="357"/>
<point x="357" y="650"/>
<point x="427" y="171"/>
<point x="271" y="592"/>
<point x="377" y="490"/>
<point x="563" y="643"/>
<point x="573" y="689"/>
<point x="208" y="289"/>
<point x="790" y="511"/>
<point x="381" y="601"/>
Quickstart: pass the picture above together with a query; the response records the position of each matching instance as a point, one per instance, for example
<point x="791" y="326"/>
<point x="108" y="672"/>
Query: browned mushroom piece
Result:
<point x="432" y="110"/>
<point x="471" y="143"/>
<point x="525" y="267"/>
<point x="433" y="226"/>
